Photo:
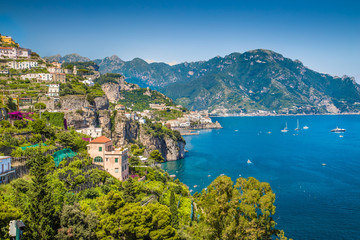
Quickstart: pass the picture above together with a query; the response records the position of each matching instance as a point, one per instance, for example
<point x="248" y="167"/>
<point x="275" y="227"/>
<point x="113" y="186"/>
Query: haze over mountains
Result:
<point x="248" y="82"/>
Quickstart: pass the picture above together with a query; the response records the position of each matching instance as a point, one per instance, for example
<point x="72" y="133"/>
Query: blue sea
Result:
<point x="312" y="201"/>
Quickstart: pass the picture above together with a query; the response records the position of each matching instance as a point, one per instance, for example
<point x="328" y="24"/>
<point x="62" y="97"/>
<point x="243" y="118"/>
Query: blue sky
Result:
<point x="324" y="35"/>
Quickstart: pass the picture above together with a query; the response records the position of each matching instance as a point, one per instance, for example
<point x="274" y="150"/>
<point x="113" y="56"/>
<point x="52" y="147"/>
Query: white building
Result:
<point x="22" y="65"/>
<point x="23" y="52"/>
<point x="142" y="120"/>
<point x="7" y="52"/>
<point x="5" y="169"/>
<point x="205" y="120"/>
<point x="55" y="70"/>
<point x="38" y="76"/>
<point x="54" y="90"/>
<point x="88" y="82"/>
<point x="185" y="124"/>
<point x="91" y="131"/>
<point x="11" y="52"/>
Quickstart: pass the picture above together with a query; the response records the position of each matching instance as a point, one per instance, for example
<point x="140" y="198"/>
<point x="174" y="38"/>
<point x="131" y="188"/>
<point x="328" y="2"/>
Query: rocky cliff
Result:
<point x="80" y="114"/>
<point x="129" y="131"/>
<point x="113" y="84"/>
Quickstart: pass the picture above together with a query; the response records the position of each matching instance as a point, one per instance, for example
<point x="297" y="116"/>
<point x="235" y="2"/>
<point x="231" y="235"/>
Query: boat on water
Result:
<point x="337" y="129"/>
<point x="305" y="127"/>
<point x="324" y="164"/>
<point x="249" y="162"/>
<point x="285" y="129"/>
<point x="297" y="126"/>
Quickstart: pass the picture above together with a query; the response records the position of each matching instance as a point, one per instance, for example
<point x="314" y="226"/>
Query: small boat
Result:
<point x="191" y="190"/>
<point x="236" y="130"/>
<point x="195" y="186"/>
<point x="249" y="162"/>
<point x="297" y="126"/>
<point x="341" y="136"/>
<point x="285" y="129"/>
<point x="222" y="174"/>
<point x="209" y="175"/>
<point x="305" y="127"/>
<point x="268" y="132"/>
<point x="324" y="164"/>
<point x="337" y="129"/>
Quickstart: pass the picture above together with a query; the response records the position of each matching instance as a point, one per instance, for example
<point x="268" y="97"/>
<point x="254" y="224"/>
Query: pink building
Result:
<point x="114" y="161"/>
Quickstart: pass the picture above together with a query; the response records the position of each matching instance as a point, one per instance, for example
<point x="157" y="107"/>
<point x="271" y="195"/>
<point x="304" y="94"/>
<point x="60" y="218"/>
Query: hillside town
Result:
<point x="34" y="85"/>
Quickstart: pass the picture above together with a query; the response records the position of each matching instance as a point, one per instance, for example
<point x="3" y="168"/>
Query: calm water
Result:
<point x="313" y="201"/>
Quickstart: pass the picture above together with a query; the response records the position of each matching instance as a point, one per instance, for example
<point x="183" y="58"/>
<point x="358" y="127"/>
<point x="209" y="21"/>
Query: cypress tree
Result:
<point x="174" y="211"/>
<point x="41" y="219"/>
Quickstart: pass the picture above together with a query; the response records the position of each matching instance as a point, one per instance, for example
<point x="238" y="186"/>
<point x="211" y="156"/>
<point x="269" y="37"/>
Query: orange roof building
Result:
<point x="114" y="161"/>
<point x="101" y="139"/>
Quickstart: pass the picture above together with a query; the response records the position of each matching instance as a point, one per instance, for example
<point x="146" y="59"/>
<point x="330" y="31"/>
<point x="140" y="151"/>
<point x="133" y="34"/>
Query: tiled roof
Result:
<point x="101" y="139"/>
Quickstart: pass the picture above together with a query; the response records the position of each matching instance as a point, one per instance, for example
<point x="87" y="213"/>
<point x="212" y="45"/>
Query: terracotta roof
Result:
<point x="101" y="139"/>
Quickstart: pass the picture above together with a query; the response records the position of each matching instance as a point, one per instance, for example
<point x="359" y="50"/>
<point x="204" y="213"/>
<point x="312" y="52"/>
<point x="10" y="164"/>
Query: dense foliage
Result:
<point x="138" y="101"/>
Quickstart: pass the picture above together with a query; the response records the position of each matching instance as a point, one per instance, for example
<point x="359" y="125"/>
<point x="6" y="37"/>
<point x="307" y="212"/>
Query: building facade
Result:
<point x="59" y="77"/>
<point x="38" y="76"/>
<point x="7" y="40"/>
<point x="91" y="131"/>
<point x="114" y="161"/>
<point x="7" y="52"/>
<point x="22" y="65"/>
<point x="5" y="169"/>
<point x="54" y="90"/>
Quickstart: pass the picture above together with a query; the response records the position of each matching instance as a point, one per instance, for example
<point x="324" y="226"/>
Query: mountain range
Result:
<point x="253" y="81"/>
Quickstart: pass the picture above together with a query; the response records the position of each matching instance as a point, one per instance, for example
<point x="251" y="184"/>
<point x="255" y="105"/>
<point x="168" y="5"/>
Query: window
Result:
<point x="100" y="149"/>
<point x="107" y="159"/>
<point x="116" y="170"/>
<point x="116" y="160"/>
<point x="98" y="159"/>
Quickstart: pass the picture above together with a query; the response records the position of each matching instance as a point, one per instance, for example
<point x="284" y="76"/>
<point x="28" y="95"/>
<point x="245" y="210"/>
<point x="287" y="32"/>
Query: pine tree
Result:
<point x="174" y="211"/>
<point x="129" y="194"/>
<point x="41" y="219"/>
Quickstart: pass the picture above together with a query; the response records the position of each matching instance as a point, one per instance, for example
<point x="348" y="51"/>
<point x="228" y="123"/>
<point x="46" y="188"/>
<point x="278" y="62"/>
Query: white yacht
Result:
<point x="297" y="126"/>
<point x="337" y="130"/>
<point x="285" y="129"/>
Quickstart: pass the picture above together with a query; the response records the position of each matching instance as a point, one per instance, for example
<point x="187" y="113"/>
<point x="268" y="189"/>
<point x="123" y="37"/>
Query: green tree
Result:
<point x="41" y="218"/>
<point x="174" y="211"/>
<point x="129" y="193"/>
<point x="38" y="125"/>
<point x="161" y="223"/>
<point x="40" y="106"/>
<point x="156" y="155"/>
<point x="11" y="105"/>
<point x="5" y="124"/>
<point x="20" y="124"/>
<point x="75" y="224"/>
<point x="242" y="211"/>
<point x="7" y="213"/>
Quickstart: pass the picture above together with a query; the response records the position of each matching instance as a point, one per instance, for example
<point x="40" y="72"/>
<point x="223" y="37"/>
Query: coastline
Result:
<point x="283" y="115"/>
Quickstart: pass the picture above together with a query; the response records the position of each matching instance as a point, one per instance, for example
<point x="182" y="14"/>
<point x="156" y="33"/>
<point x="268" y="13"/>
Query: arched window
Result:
<point x="98" y="159"/>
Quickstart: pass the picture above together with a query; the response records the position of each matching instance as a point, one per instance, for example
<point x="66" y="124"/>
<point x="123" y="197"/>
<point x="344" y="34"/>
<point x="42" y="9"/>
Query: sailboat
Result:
<point x="297" y="126"/>
<point x="285" y="129"/>
<point x="305" y="127"/>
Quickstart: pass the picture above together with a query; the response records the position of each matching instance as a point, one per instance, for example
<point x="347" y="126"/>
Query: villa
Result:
<point x="114" y="161"/>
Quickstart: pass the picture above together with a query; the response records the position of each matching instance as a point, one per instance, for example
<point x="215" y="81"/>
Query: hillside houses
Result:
<point x="14" y="53"/>
<point x="22" y="65"/>
<point x="38" y="76"/>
